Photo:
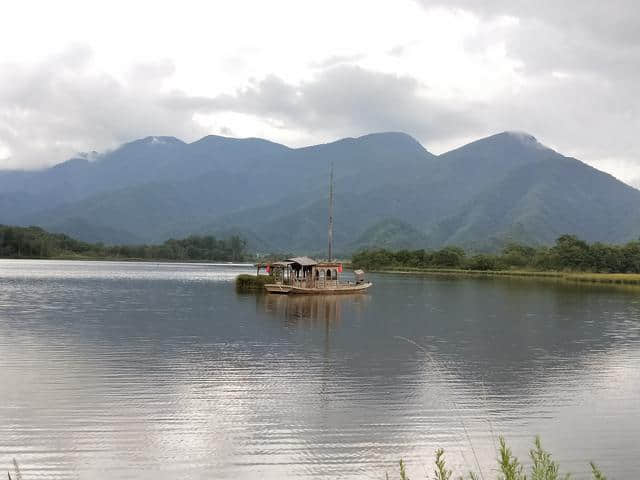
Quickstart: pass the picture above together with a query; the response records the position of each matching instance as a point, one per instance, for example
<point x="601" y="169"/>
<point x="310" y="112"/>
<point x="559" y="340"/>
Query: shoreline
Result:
<point x="578" y="277"/>
<point x="129" y="259"/>
<point x="632" y="279"/>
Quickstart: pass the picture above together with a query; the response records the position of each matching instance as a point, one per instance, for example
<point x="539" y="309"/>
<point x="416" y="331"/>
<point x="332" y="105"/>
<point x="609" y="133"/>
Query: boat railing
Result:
<point x="309" y="282"/>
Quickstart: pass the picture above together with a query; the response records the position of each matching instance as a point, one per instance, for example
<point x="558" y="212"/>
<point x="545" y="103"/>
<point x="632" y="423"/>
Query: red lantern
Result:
<point x="340" y="268"/>
<point x="268" y="269"/>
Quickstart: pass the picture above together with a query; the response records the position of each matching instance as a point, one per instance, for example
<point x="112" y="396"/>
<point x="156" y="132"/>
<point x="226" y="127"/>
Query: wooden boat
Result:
<point x="304" y="275"/>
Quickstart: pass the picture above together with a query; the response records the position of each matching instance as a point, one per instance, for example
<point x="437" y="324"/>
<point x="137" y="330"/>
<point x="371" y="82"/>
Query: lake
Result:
<point x="124" y="370"/>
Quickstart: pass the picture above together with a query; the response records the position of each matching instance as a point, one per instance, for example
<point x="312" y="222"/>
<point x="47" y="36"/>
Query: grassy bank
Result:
<point x="597" y="278"/>
<point x="464" y="271"/>
<point x="608" y="278"/>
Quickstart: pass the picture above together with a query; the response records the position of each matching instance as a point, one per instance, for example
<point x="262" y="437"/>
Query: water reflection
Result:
<point x="312" y="309"/>
<point x="116" y="371"/>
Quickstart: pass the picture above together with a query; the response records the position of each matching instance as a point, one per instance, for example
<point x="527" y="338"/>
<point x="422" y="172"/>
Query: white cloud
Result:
<point x="297" y="72"/>
<point x="60" y="106"/>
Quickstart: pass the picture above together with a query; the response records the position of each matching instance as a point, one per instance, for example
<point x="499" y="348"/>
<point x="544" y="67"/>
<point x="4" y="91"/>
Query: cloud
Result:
<point x="611" y="22"/>
<point x="579" y="75"/>
<point x="58" y="107"/>
<point x="55" y="108"/>
<point x="338" y="59"/>
<point x="602" y="38"/>
<point x="567" y="72"/>
<point x="340" y="101"/>
<point x="397" y="50"/>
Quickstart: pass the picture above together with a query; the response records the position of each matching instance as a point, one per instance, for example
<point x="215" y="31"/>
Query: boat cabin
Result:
<point x="304" y="272"/>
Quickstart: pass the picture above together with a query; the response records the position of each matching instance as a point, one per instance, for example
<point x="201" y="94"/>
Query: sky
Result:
<point x="83" y="76"/>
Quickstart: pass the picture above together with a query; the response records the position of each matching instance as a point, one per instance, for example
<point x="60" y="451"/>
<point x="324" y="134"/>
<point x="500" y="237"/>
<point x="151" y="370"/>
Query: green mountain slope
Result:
<point x="390" y="192"/>
<point x="259" y="174"/>
<point x="391" y="234"/>
<point x="542" y="200"/>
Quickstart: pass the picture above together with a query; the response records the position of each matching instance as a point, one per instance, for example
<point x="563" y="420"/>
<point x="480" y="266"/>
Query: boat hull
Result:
<point x="275" y="288"/>
<point x="339" y="289"/>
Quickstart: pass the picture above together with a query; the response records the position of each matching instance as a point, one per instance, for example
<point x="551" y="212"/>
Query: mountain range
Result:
<point x="390" y="192"/>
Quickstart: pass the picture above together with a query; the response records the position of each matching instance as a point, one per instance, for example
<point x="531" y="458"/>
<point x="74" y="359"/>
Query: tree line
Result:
<point x="569" y="253"/>
<point x="34" y="242"/>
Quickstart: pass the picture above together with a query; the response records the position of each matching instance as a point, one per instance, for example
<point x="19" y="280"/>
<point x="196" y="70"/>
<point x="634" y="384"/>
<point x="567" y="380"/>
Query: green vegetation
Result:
<point x="34" y="242"/>
<point x="247" y="282"/>
<point x="569" y="254"/>
<point x="16" y="471"/>
<point x="543" y="467"/>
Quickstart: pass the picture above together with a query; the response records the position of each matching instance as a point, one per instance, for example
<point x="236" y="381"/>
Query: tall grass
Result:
<point x="543" y="467"/>
<point x="17" y="475"/>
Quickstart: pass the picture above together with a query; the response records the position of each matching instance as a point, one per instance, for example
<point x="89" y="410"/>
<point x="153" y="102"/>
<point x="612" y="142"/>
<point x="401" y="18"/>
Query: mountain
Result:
<point x="391" y="234"/>
<point x="189" y="186"/>
<point x="390" y="192"/>
<point x="541" y="200"/>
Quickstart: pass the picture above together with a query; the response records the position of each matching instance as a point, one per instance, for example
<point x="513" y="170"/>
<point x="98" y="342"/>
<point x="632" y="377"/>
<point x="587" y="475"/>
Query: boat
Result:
<point x="306" y="276"/>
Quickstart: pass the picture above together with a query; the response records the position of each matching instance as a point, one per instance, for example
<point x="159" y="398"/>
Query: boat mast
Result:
<point x="331" y="214"/>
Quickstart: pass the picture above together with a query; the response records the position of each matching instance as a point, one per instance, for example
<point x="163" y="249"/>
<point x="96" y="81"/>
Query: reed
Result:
<point x="248" y="283"/>
<point x="542" y="467"/>
<point x="17" y="474"/>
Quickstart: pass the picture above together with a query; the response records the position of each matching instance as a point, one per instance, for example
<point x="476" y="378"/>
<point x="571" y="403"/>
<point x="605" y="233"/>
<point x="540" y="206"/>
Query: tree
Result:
<point x="570" y="252"/>
<point x="452" y="257"/>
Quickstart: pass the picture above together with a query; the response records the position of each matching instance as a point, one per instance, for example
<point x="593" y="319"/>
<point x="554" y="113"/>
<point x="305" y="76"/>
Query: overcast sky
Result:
<point x="80" y="76"/>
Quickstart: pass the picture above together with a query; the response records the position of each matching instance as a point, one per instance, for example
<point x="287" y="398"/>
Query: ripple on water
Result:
<point x="130" y="370"/>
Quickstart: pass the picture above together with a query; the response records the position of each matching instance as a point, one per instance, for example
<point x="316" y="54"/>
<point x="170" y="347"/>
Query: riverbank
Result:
<point x="583" y="277"/>
<point x="129" y="259"/>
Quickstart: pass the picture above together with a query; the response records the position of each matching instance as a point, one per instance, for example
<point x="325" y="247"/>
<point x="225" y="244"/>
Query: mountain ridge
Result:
<point x="507" y="185"/>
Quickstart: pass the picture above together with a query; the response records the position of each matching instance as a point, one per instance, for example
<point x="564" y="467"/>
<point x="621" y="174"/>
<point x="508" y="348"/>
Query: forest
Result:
<point x="569" y="253"/>
<point x="34" y="242"/>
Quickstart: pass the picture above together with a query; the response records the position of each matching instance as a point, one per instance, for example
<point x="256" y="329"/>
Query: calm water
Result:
<point x="138" y="370"/>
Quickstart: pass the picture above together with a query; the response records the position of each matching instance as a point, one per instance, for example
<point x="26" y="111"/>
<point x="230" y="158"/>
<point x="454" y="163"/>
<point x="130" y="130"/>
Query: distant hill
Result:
<point x="390" y="192"/>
